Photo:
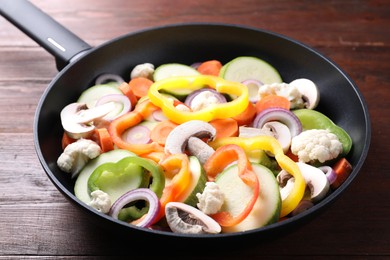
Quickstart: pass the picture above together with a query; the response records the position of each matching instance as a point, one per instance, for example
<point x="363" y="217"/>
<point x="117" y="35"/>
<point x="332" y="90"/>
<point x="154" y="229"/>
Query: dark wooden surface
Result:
<point x="37" y="221"/>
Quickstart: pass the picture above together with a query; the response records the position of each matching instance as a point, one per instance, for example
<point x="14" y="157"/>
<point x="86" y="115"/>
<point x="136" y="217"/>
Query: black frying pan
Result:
<point x="80" y="64"/>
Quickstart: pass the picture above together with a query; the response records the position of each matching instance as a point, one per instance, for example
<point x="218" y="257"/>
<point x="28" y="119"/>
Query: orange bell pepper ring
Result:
<point x="176" y="167"/>
<point x="124" y="122"/>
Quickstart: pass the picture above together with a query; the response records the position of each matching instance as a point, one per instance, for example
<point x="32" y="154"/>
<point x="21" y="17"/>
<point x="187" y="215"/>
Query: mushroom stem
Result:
<point x="199" y="149"/>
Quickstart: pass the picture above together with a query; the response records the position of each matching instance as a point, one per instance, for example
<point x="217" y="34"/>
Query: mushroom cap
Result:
<point x="70" y="121"/>
<point x="316" y="181"/>
<point x="177" y="139"/>
<point x="75" y="118"/>
<point x="281" y="132"/>
<point x="186" y="219"/>
<point x="309" y="91"/>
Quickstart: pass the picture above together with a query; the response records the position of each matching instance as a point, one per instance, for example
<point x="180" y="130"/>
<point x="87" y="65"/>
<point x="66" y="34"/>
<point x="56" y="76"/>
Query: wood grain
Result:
<point x="37" y="221"/>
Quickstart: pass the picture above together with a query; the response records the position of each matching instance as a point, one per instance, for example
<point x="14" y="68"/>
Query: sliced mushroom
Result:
<point x="199" y="149"/>
<point x="315" y="180"/>
<point x="309" y="91"/>
<point x="76" y="118"/>
<point x="317" y="184"/>
<point x="286" y="184"/>
<point x="186" y="219"/>
<point x="302" y="206"/>
<point x="246" y="131"/>
<point x="281" y="132"/>
<point x="177" y="139"/>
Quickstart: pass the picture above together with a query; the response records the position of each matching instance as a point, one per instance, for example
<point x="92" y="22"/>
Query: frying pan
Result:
<point x="80" y="64"/>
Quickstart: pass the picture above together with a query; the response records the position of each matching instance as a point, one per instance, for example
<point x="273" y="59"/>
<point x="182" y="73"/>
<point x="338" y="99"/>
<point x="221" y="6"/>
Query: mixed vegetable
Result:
<point x="202" y="148"/>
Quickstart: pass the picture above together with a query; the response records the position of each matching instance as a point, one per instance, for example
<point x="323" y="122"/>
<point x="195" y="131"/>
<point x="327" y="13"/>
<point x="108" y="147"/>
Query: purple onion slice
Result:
<point x="282" y="115"/>
<point x="138" y="134"/>
<point x="122" y="105"/>
<point x="134" y="195"/>
<point x="107" y="78"/>
<point x="188" y="101"/>
<point x="329" y="173"/>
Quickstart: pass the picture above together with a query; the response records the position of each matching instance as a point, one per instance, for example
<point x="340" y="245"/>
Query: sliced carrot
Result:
<point x="66" y="140"/>
<point x="246" y="117"/>
<point x="128" y="92"/>
<point x="342" y="168"/>
<point x="292" y="156"/>
<point x="211" y="67"/>
<point x="140" y="86"/>
<point x="104" y="139"/>
<point x="160" y="132"/>
<point x="226" y="127"/>
<point x="272" y="101"/>
<point x="178" y="102"/>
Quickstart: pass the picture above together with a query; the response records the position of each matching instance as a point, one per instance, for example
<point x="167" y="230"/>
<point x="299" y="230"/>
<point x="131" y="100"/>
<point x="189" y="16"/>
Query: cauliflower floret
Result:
<point x="100" y="201"/>
<point x="203" y="100"/>
<point x="77" y="154"/>
<point x="144" y="70"/>
<point x="285" y="90"/>
<point x="316" y="144"/>
<point x="211" y="200"/>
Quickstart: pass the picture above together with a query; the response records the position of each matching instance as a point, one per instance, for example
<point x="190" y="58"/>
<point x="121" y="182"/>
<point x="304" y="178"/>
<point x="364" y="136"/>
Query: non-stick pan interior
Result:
<point x="189" y="43"/>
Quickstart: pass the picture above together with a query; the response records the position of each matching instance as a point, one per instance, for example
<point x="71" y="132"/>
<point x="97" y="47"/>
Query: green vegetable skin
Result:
<point x="248" y="67"/>
<point x="81" y="186"/>
<point x="268" y="206"/>
<point x="312" y="119"/>
<point x="128" y="173"/>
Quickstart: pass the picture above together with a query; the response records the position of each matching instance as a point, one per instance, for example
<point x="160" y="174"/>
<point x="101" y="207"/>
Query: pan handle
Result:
<point x="52" y="36"/>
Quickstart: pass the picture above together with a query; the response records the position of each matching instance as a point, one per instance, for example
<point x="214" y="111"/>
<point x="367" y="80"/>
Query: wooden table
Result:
<point x="37" y="221"/>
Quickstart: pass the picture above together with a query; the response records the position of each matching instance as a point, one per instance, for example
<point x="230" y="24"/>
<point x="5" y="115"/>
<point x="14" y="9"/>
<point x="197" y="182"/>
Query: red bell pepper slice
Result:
<point x="222" y="157"/>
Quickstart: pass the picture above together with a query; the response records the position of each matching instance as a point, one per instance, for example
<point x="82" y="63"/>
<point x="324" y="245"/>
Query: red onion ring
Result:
<point x="195" y="65"/>
<point x="138" y="134"/>
<point x="116" y="98"/>
<point x="134" y="195"/>
<point x="329" y="173"/>
<point x="221" y="98"/>
<point x="159" y="116"/>
<point x="282" y="115"/>
<point x="107" y="78"/>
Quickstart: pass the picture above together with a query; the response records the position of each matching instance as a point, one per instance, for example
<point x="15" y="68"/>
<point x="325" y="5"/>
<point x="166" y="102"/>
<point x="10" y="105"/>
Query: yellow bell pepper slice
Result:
<point x="269" y="143"/>
<point x="214" y="111"/>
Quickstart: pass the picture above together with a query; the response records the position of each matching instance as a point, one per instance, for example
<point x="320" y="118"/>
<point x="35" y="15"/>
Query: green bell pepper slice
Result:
<point x="127" y="174"/>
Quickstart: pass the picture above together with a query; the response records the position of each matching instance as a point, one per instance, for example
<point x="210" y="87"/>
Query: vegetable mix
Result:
<point x="203" y="148"/>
